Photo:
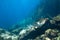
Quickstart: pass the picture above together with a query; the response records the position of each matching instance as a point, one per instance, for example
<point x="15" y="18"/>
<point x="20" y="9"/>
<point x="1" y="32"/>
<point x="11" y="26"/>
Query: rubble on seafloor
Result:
<point x="44" y="29"/>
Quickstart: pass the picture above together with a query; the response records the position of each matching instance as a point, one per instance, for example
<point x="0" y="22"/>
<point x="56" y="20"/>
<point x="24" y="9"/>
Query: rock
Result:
<point x="47" y="38"/>
<point x="14" y="37"/>
<point x="5" y="35"/>
<point x="51" y="33"/>
<point x="2" y="31"/>
<point x="44" y="29"/>
<point x="52" y="22"/>
<point x="1" y="38"/>
<point x="57" y="18"/>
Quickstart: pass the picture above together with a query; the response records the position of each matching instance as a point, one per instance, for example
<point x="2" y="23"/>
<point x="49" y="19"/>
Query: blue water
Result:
<point x="13" y="11"/>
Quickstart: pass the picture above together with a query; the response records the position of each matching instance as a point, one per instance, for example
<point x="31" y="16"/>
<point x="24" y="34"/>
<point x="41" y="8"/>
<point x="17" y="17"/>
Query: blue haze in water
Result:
<point x="12" y="11"/>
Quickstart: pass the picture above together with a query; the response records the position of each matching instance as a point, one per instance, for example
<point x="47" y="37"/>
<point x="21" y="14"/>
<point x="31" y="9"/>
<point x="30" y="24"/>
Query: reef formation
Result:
<point x="43" y="29"/>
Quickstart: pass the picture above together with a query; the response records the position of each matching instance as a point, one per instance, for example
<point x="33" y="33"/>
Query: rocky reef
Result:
<point x="43" y="29"/>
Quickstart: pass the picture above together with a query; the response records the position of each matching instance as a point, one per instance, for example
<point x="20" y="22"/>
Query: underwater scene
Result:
<point x="29" y="19"/>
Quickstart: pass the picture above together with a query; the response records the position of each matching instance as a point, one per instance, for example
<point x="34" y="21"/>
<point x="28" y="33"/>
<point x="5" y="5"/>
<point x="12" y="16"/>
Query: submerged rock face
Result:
<point x="50" y="34"/>
<point x="5" y="35"/>
<point x="44" y="29"/>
